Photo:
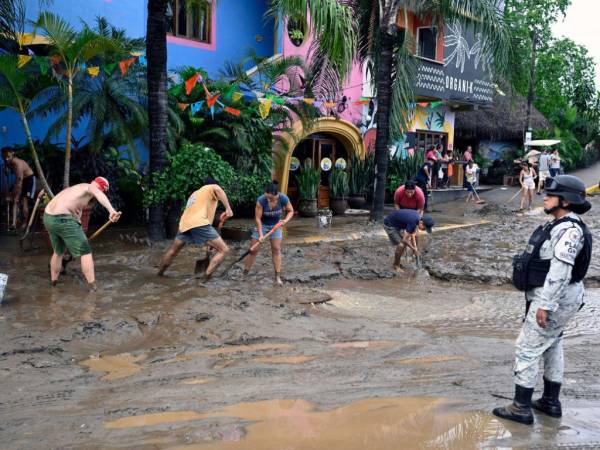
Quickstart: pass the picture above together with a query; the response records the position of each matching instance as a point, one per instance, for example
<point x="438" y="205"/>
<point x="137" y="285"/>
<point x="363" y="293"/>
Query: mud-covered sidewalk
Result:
<point x="347" y="355"/>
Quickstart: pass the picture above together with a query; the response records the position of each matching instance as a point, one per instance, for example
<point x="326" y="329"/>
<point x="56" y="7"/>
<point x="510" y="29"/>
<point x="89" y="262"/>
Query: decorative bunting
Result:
<point x="317" y="103"/>
<point x="42" y="64"/>
<point x="233" y="111"/>
<point x="183" y="106"/>
<point x="142" y="60"/>
<point x="212" y="99"/>
<point x="361" y="102"/>
<point x="93" y="71"/>
<point x="434" y="104"/>
<point x="278" y="100"/>
<point x="264" y="107"/>
<point x="236" y="96"/>
<point x="330" y="104"/>
<point x="125" y="64"/>
<point x="309" y="101"/>
<point x="191" y="82"/>
<point x="423" y="104"/>
<point x="195" y="107"/>
<point x="23" y="59"/>
<point x="109" y="68"/>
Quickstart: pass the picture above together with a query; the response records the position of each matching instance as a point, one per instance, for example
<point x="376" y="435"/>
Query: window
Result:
<point x="191" y="21"/>
<point x="426" y="42"/>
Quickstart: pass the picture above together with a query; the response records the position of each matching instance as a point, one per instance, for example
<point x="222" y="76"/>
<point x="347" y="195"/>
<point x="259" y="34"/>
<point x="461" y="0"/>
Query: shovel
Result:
<point x="202" y="264"/>
<point x="513" y="197"/>
<point x="252" y="248"/>
<point x="32" y="217"/>
<point x="417" y="255"/>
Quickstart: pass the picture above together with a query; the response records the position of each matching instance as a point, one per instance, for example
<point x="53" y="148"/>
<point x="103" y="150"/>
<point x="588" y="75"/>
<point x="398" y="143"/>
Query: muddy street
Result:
<point x="347" y="355"/>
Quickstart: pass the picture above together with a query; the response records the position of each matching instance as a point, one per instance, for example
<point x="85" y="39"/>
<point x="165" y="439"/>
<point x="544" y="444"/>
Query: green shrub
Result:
<point x="308" y="182"/>
<point x="338" y="183"/>
<point x="188" y="168"/>
<point x="401" y="170"/>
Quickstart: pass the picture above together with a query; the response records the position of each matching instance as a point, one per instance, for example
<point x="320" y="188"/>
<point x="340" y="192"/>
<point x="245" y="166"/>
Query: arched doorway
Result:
<point x="329" y="138"/>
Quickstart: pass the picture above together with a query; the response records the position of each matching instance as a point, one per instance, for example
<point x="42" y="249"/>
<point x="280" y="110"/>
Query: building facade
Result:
<point x="452" y="75"/>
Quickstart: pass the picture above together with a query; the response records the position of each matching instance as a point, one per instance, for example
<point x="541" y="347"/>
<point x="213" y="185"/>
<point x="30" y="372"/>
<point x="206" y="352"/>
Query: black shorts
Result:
<point x="29" y="185"/>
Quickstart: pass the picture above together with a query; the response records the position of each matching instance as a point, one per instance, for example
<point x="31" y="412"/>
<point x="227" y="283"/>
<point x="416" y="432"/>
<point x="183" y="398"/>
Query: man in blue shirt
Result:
<point x="401" y="227"/>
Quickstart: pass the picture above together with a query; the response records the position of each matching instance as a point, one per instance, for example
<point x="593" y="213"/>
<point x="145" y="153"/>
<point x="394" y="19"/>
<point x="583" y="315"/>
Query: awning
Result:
<point x="542" y="142"/>
<point x="32" y="39"/>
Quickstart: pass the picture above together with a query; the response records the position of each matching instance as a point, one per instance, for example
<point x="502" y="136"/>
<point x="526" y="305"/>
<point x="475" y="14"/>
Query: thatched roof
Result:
<point x="504" y="120"/>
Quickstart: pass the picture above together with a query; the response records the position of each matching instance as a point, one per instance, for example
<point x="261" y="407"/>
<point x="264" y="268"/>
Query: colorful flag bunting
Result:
<point x="143" y="61"/>
<point x="233" y="111"/>
<point x="423" y="104"/>
<point x="190" y="83"/>
<point x="236" y="96"/>
<point x="93" y="71"/>
<point x="109" y="68"/>
<point x="317" y="103"/>
<point x="196" y="107"/>
<point x="362" y="102"/>
<point x="330" y="104"/>
<point x="212" y="99"/>
<point x="183" y="106"/>
<point x="42" y="62"/>
<point x="23" y="59"/>
<point x="125" y="64"/>
<point x="309" y="101"/>
<point x="264" y="107"/>
<point x="434" y="104"/>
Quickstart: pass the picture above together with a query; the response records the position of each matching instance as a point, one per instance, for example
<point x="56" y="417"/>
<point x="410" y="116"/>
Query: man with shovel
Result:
<point x="62" y="218"/>
<point x="195" y="226"/>
<point x="401" y="227"/>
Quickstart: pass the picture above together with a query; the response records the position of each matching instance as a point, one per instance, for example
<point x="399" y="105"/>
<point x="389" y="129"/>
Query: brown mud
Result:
<point x="347" y="354"/>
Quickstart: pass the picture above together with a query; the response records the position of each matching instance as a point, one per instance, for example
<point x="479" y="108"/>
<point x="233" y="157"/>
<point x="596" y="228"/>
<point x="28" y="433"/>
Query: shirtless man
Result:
<point x="62" y="220"/>
<point x="24" y="187"/>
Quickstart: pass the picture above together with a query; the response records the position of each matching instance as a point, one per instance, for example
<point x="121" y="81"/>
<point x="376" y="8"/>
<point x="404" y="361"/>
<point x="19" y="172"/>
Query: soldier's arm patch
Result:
<point x="566" y="248"/>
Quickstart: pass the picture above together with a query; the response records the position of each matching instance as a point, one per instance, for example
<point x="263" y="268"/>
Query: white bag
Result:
<point x="3" y="283"/>
<point x="440" y="174"/>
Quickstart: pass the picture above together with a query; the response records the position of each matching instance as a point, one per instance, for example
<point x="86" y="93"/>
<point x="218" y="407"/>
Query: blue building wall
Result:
<point x="240" y="26"/>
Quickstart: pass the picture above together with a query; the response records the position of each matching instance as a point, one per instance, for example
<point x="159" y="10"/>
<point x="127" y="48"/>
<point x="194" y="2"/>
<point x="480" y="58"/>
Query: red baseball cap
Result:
<point x="102" y="182"/>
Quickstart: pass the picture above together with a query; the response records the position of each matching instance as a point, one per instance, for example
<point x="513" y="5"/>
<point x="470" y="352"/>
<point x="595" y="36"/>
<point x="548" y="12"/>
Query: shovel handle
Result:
<point x="32" y="217"/>
<point x="100" y="230"/>
<point x="273" y="230"/>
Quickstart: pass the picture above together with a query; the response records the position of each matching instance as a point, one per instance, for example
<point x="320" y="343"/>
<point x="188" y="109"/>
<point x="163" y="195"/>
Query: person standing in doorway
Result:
<point x="543" y="169"/>
<point x="423" y="178"/>
<point x="551" y="272"/>
<point x="24" y="188"/>
<point x="555" y="164"/>
<point x="268" y="212"/>
<point x="409" y="196"/>
<point x="195" y="226"/>
<point x="526" y="178"/>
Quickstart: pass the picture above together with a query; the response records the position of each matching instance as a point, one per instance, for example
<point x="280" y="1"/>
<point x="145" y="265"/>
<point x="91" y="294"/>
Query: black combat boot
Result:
<point x="520" y="409"/>
<point x="549" y="403"/>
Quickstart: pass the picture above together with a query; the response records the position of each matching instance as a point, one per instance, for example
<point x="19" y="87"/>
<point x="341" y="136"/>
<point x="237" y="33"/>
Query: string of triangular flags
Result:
<point x="47" y="62"/>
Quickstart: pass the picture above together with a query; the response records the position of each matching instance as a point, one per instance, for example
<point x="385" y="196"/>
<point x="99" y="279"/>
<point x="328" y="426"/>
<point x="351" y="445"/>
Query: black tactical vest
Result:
<point x="529" y="271"/>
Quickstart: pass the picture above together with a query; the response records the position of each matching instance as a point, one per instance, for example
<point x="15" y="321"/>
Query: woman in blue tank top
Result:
<point x="268" y="212"/>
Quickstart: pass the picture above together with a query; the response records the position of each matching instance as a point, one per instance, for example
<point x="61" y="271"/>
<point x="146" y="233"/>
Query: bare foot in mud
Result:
<point x="278" y="281"/>
<point x="93" y="287"/>
<point x="399" y="269"/>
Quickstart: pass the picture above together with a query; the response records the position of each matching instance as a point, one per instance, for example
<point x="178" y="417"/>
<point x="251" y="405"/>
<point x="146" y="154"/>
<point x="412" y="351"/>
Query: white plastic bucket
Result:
<point x="3" y="283"/>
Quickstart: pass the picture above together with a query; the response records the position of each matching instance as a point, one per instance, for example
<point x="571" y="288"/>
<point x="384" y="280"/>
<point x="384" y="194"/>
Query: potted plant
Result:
<point x="338" y="191"/>
<point x="296" y="28"/>
<point x="296" y="36"/>
<point x="359" y="180"/>
<point x="308" y="185"/>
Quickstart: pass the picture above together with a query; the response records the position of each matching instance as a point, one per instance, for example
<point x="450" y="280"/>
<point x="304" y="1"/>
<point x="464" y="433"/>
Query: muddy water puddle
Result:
<point x="115" y="366"/>
<point x="374" y="424"/>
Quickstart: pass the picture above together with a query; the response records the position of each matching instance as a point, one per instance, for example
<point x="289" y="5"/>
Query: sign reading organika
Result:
<point x="464" y="76"/>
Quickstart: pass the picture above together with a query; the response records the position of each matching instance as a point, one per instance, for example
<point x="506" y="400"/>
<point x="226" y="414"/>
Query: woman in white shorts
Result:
<point x="526" y="178"/>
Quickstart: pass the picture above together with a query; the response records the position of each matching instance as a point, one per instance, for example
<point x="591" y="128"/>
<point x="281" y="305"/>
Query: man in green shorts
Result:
<point x="62" y="218"/>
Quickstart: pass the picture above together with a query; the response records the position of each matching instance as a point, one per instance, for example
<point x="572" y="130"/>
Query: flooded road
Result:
<point x="346" y="355"/>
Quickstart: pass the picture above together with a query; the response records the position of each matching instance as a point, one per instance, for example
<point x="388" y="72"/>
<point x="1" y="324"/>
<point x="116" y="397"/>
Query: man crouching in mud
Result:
<point x="551" y="273"/>
<point x="62" y="218"/>
<point x="401" y="227"/>
<point x="195" y="226"/>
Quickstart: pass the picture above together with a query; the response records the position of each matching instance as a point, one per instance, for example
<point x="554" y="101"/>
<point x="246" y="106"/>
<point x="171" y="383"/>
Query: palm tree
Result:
<point x="18" y="89"/>
<point x="74" y="49"/>
<point x="366" y="31"/>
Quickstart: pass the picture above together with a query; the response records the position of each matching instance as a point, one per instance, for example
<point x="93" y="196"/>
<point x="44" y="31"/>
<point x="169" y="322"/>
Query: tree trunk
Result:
<point x="34" y="155"/>
<point x="156" y="55"/>
<point x="67" y="174"/>
<point x="384" y="103"/>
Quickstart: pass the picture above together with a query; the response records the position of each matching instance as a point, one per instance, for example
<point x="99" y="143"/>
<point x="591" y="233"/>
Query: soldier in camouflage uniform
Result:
<point x="552" y="305"/>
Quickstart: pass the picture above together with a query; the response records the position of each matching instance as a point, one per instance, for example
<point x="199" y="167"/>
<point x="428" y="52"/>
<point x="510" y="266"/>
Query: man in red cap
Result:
<point x="62" y="219"/>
